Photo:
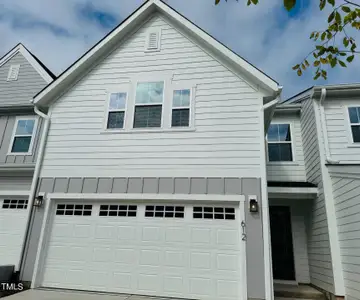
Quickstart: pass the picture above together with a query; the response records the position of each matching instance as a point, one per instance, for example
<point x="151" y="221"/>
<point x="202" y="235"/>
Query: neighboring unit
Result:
<point x="154" y="169"/>
<point x="314" y="140"/>
<point x="22" y="75"/>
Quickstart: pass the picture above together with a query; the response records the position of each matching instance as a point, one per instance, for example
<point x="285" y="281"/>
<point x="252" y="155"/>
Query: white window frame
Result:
<point x="149" y="104"/>
<point x="30" y="151"/>
<point x="292" y="142"/>
<point x="350" y="135"/>
<point x="158" y="48"/>
<point x="108" y="110"/>
<point x="191" y="106"/>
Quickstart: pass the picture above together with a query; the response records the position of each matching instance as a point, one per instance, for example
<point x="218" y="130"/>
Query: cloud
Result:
<point x="60" y="31"/>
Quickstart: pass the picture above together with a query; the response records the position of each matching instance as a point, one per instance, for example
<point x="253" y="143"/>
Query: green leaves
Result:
<point x="346" y="9"/>
<point x="341" y="63"/>
<point x="289" y="4"/>
<point x="332" y="2"/>
<point x="350" y="58"/>
<point x="217" y="2"/>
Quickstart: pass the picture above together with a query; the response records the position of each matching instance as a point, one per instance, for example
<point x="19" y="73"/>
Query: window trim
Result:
<point x="352" y="143"/>
<point x="147" y="80"/>
<point x="31" y="146"/>
<point x="107" y="109"/>
<point x="292" y="142"/>
<point x="190" y="107"/>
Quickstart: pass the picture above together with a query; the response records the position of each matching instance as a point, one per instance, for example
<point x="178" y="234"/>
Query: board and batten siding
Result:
<point x="22" y="90"/>
<point x="347" y="205"/>
<point x="338" y="130"/>
<point x="7" y="124"/>
<point x="226" y="139"/>
<point x="320" y="264"/>
<point x="289" y="171"/>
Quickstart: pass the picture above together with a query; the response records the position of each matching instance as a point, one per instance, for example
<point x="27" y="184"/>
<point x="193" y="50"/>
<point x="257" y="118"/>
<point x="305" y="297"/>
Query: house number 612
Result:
<point x="243" y="236"/>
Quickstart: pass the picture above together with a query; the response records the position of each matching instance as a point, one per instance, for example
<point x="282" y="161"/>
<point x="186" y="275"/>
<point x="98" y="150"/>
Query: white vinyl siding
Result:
<point x="293" y="170"/>
<point x="347" y="206"/>
<point x="320" y="265"/>
<point x="339" y="133"/>
<point x="226" y="138"/>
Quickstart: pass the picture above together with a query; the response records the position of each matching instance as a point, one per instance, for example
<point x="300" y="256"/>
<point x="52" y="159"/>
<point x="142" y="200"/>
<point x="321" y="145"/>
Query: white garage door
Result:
<point x="13" y="214"/>
<point x="175" y="250"/>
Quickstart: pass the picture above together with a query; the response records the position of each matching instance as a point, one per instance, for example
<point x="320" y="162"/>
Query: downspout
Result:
<point x="269" y="290"/>
<point x="324" y="128"/>
<point x="34" y="184"/>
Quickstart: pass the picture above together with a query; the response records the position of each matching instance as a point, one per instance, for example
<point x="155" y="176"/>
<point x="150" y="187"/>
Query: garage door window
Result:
<point x="160" y="211"/>
<point x="15" y="204"/>
<point x="219" y="213"/>
<point x="118" y="210"/>
<point x="73" y="210"/>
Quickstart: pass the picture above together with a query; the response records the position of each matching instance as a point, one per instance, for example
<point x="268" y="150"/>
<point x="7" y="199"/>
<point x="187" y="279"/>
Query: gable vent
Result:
<point x="153" y="41"/>
<point x="13" y="73"/>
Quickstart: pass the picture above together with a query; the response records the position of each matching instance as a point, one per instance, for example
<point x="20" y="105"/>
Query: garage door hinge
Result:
<point x="243" y="225"/>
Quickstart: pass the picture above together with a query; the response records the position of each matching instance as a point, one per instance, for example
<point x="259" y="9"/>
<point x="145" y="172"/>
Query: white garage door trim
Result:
<point x="50" y="206"/>
<point x="13" y="216"/>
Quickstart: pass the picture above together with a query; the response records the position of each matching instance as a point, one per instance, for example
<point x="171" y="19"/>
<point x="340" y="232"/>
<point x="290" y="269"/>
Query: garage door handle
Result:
<point x="243" y="225"/>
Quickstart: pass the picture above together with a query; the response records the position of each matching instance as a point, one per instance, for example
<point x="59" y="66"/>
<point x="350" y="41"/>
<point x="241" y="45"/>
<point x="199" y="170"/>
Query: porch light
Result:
<point x="254" y="205"/>
<point x="39" y="200"/>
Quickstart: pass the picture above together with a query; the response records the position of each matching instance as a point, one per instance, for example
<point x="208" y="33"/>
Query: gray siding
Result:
<point x="321" y="273"/>
<point x="15" y="182"/>
<point x="347" y="206"/>
<point x="7" y="124"/>
<point x="21" y="91"/>
<point x="234" y="186"/>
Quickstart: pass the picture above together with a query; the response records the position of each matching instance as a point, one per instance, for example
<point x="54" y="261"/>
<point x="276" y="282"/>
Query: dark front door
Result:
<point x="282" y="243"/>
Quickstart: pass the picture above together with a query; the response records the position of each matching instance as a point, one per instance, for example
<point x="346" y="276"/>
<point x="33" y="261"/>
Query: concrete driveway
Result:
<point x="47" y="294"/>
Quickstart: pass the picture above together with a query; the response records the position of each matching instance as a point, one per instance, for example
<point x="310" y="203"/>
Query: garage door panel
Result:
<point x="177" y="257"/>
<point x="13" y="218"/>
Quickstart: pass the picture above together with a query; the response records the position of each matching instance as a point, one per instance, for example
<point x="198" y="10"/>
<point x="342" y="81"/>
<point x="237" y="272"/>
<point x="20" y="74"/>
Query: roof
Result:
<point x="49" y="93"/>
<point x="336" y="89"/>
<point x="44" y="72"/>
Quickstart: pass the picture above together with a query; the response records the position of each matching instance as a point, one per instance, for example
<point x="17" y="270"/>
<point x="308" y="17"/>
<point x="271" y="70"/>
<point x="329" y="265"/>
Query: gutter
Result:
<point x="34" y="184"/>
<point x="324" y="128"/>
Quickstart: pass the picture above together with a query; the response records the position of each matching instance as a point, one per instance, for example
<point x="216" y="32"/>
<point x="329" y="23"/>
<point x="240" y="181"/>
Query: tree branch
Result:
<point x="352" y="3"/>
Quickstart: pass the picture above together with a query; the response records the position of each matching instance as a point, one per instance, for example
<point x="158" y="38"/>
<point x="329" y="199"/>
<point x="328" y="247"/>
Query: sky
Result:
<point x="59" y="31"/>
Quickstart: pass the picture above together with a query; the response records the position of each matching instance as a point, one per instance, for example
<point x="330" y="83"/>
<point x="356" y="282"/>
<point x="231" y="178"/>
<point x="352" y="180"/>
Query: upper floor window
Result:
<point x="279" y="143"/>
<point x="148" y="104"/>
<point x="116" y="111"/>
<point x="180" y="115"/>
<point x="354" y="115"/>
<point x="23" y="136"/>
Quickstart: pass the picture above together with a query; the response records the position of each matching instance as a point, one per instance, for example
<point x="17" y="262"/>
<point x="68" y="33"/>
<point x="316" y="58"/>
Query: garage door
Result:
<point x="13" y="214"/>
<point x="175" y="250"/>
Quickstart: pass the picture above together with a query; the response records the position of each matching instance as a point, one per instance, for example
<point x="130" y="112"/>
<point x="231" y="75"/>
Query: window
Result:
<point x="23" y="136"/>
<point x="218" y="213"/>
<point x="116" y="111"/>
<point x="148" y="104"/>
<point x="118" y="210"/>
<point x="160" y="211"/>
<point x="180" y="116"/>
<point x="13" y="73"/>
<point x="354" y="115"/>
<point x="279" y="143"/>
<point x="153" y="41"/>
<point x="15" y="204"/>
<point x="73" y="210"/>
